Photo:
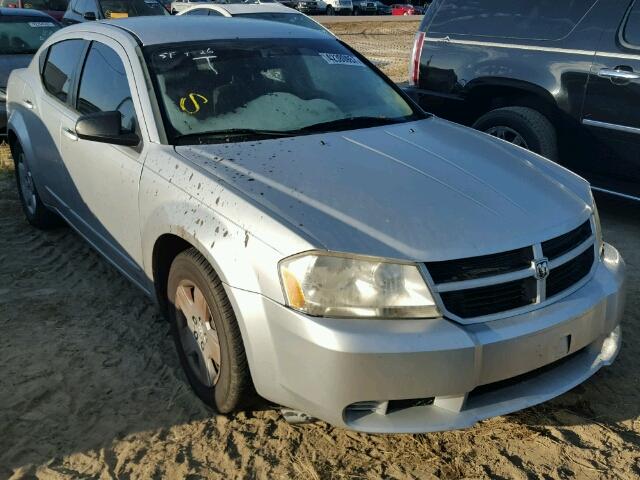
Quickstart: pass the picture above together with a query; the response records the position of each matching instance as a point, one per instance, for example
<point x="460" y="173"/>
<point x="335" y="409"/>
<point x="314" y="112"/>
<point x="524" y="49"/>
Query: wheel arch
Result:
<point x="486" y="94"/>
<point x="17" y="133"/>
<point x="165" y="249"/>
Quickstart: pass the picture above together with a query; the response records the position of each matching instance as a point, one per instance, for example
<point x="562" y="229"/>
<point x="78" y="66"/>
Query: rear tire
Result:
<point x="36" y="212"/>
<point x="522" y="126"/>
<point x="330" y="10"/>
<point x="209" y="337"/>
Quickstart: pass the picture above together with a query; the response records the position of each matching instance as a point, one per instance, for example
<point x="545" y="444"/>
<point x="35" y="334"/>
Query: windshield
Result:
<point x="24" y="35"/>
<point x="131" y="8"/>
<point x="291" y="18"/>
<point x="270" y="86"/>
<point x="53" y="5"/>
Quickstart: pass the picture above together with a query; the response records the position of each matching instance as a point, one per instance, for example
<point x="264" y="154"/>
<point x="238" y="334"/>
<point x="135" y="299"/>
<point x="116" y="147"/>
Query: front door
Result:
<point x="612" y="112"/>
<point x="106" y="177"/>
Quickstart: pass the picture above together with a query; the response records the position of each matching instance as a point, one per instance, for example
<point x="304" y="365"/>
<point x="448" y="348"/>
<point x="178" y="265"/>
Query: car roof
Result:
<point x="240" y="8"/>
<point x="23" y="12"/>
<point x="184" y="28"/>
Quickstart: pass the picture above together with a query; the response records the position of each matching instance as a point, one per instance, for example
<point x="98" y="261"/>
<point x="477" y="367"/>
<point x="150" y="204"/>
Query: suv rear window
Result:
<point x="524" y="19"/>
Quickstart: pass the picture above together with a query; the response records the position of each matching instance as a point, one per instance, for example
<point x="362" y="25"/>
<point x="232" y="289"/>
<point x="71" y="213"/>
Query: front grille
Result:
<point x="477" y="287"/>
<point x="477" y="302"/>
<point x="570" y="273"/>
<point x="558" y="246"/>
<point x="478" y="267"/>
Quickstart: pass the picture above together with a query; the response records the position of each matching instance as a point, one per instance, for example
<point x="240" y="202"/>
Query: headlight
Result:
<point x="335" y="285"/>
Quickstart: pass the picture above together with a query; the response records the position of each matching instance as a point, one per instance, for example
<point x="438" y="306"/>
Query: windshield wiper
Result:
<point x="223" y="135"/>
<point x="350" y="123"/>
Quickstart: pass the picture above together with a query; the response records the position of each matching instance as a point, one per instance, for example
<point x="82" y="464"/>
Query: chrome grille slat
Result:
<point x="481" y="297"/>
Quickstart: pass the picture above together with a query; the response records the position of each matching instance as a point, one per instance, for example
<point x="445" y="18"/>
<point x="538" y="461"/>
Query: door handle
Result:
<point x="618" y="74"/>
<point x="70" y="134"/>
<point x="28" y="103"/>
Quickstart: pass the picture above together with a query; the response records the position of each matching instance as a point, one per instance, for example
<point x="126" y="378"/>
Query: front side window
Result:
<point x="632" y="27"/>
<point x="60" y="67"/>
<point x="288" y="86"/>
<point x="104" y="86"/>
<point x="290" y="18"/>
<point x="112" y="9"/>
<point x="24" y="34"/>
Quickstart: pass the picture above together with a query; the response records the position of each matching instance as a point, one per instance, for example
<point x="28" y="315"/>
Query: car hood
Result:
<point x="8" y="63"/>
<point x="426" y="190"/>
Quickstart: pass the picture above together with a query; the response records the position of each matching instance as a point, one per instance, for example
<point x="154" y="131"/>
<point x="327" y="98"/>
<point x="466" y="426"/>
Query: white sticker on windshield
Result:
<point x="341" y="59"/>
<point x="41" y="24"/>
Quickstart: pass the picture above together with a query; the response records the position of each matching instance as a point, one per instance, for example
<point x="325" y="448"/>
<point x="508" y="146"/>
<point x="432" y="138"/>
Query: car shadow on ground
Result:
<point x="86" y="360"/>
<point x="612" y="396"/>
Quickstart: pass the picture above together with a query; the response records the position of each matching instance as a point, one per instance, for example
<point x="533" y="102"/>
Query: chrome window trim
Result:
<point x="610" y="126"/>
<point x="618" y="194"/>
<point x="541" y="299"/>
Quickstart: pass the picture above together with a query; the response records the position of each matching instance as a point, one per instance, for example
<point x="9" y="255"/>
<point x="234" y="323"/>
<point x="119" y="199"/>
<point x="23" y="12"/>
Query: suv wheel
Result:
<point x="206" y="334"/>
<point x="521" y="126"/>
<point x="330" y="10"/>
<point x="36" y="212"/>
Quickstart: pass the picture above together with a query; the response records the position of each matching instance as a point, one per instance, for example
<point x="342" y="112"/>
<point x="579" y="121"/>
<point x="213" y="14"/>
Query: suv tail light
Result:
<point x="414" y="67"/>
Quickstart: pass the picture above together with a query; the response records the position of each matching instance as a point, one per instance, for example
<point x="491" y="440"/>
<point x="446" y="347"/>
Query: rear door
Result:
<point x="611" y="110"/>
<point x="50" y="105"/>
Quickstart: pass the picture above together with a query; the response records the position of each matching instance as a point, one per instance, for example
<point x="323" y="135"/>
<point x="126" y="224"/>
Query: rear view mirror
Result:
<point x="104" y="127"/>
<point x="90" y="16"/>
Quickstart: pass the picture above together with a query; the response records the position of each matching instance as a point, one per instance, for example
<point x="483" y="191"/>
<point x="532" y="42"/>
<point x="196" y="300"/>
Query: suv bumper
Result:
<point x="324" y="366"/>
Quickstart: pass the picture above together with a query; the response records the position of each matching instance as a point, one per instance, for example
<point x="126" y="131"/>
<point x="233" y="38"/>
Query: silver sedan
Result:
<point x="310" y="233"/>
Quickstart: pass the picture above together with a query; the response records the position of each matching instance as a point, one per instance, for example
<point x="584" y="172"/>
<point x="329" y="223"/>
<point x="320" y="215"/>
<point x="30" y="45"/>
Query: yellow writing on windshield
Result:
<point x="191" y="103"/>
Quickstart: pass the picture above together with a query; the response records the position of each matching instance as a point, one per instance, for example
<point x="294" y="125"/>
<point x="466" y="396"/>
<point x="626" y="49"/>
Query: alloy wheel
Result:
<point x="198" y="334"/>
<point x="508" y="134"/>
<point x="27" y="189"/>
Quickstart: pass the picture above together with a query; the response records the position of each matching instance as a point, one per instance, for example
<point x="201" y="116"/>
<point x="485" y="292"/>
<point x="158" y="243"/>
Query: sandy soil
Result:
<point x="387" y="44"/>
<point x="90" y="387"/>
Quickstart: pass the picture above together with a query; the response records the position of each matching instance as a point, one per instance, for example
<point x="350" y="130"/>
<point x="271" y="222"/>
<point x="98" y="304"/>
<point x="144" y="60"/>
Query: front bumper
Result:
<point x="324" y="366"/>
<point x="310" y="9"/>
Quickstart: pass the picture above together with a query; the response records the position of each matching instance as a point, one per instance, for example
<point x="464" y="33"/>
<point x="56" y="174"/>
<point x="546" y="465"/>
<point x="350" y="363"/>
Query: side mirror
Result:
<point x="104" y="127"/>
<point x="89" y="16"/>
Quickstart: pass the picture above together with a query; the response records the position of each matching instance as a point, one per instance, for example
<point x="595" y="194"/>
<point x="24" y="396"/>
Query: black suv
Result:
<point x="559" y="77"/>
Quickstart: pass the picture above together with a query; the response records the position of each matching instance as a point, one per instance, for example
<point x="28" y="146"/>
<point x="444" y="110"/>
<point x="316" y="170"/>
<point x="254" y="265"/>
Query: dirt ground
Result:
<point x="90" y="387"/>
<point x="387" y="44"/>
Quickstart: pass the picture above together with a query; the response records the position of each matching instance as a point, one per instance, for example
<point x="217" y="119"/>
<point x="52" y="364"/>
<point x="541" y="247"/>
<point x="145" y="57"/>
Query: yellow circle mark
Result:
<point x="194" y="104"/>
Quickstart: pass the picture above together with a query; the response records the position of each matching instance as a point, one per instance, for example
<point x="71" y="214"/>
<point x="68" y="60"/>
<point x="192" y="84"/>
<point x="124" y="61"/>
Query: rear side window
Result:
<point x="112" y="9"/>
<point x="54" y="5"/>
<point x="632" y="27"/>
<point x="198" y="11"/>
<point x="60" y="67"/>
<point x="525" y="19"/>
<point x="104" y="86"/>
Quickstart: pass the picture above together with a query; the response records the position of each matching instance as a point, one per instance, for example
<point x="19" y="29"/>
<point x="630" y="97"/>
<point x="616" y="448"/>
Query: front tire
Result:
<point x="207" y="335"/>
<point x="522" y="126"/>
<point x="36" y="212"/>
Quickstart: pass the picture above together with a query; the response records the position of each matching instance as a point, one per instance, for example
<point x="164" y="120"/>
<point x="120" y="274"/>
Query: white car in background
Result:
<point x="274" y="12"/>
